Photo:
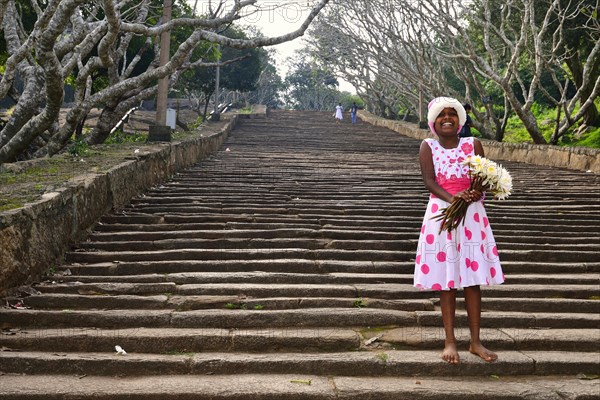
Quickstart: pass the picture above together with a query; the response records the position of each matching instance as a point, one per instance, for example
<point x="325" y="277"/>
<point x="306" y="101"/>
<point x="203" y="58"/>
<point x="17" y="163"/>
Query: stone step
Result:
<point x="61" y="301"/>
<point x="414" y="220"/>
<point x="290" y="339"/>
<point x="388" y="291"/>
<point x="251" y="318"/>
<point x="392" y="363"/>
<point x="301" y="265"/>
<point x="135" y="236"/>
<point x="295" y="386"/>
<point x="309" y="244"/>
<point x="571" y="218"/>
<point x="310" y="278"/>
<point x="196" y="302"/>
<point x="208" y="223"/>
<point x="267" y="253"/>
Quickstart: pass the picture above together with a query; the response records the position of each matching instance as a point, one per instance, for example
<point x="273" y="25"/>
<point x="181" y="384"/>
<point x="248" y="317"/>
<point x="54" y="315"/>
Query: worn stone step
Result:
<point x="180" y="341"/>
<point x="378" y="290"/>
<point x="196" y="302"/>
<point x="295" y="386"/>
<point x="118" y="268"/>
<point x="318" y="254"/>
<point x="425" y="363"/>
<point x="136" y="236"/>
<point x="291" y="339"/>
<point x="307" y="277"/>
<point x="305" y="243"/>
<point x="219" y="318"/>
<point x="63" y="301"/>
<point x="249" y="219"/>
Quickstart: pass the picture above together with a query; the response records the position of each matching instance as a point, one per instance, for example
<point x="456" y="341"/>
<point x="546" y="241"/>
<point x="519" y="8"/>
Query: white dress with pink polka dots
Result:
<point x="468" y="255"/>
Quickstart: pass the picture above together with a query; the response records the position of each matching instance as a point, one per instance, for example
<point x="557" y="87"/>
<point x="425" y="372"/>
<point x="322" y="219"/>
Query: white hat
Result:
<point x="438" y="104"/>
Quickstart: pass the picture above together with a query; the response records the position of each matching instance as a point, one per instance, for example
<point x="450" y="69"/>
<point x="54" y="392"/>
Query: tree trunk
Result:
<point x="106" y="121"/>
<point x="526" y="117"/>
<point x="592" y="117"/>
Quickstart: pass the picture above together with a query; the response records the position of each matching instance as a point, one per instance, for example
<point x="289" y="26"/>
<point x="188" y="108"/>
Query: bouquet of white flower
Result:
<point x="485" y="175"/>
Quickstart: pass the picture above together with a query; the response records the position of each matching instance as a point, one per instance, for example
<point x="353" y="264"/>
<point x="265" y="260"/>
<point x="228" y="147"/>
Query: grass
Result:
<point x="7" y="204"/>
<point x="359" y="303"/>
<point x="546" y="117"/>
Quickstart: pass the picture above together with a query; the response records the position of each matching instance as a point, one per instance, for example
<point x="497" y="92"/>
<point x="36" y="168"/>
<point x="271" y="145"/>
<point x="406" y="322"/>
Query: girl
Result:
<point x="338" y="113"/>
<point x="464" y="258"/>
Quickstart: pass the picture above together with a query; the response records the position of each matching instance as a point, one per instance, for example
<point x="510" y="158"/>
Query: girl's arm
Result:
<point x="478" y="147"/>
<point x="478" y="150"/>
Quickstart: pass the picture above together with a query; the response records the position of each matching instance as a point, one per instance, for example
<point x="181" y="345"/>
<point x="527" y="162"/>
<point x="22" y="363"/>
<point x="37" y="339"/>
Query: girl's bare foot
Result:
<point x="450" y="353"/>
<point x="485" y="354"/>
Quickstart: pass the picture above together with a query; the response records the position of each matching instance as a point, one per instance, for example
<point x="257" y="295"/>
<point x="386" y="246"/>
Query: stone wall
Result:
<point x="35" y="237"/>
<point x="579" y="158"/>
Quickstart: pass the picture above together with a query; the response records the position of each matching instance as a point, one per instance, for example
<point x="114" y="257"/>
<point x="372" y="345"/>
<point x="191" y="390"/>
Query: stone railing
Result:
<point x="35" y="237"/>
<point x="579" y="158"/>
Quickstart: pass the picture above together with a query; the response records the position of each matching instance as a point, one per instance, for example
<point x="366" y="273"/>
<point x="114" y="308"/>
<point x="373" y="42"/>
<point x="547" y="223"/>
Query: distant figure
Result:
<point x="338" y="113"/>
<point x="353" y="111"/>
<point x="466" y="129"/>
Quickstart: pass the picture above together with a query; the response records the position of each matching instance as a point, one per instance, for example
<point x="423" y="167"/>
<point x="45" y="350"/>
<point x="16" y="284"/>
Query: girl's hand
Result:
<point x="469" y="196"/>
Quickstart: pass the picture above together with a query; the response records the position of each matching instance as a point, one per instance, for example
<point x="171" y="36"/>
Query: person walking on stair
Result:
<point x="464" y="258"/>
<point x="338" y="113"/>
<point x="466" y="129"/>
<point x="353" y="111"/>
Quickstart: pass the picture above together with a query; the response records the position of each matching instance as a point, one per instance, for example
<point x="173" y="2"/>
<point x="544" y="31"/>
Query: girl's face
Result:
<point x="446" y="124"/>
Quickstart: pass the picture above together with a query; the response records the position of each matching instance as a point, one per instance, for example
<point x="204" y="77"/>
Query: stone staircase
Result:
<point x="281" y="268"/>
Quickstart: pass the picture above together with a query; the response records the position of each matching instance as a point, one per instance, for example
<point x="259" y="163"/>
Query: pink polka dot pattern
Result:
<point x="468" y="233"/>
<point x="467" y="256"/>
<point x="429" y="239"/>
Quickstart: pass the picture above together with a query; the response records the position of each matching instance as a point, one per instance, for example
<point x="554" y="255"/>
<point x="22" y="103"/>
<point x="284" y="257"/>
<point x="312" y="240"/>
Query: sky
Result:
<point x="278" y="17"/>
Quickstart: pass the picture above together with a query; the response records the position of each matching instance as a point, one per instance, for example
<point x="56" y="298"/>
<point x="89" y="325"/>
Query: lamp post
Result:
<point x="216" y="115"/>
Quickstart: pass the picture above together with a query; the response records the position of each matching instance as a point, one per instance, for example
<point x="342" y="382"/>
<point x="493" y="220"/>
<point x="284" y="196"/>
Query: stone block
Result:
<point x="159" y="133"/>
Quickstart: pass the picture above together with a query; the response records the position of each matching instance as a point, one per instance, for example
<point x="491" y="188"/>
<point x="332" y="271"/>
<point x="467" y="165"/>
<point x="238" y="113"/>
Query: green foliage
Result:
<point x="359" y="303"/>
<point x="9" y="204"/>
<point x="348" y="98"/>
<point x="71" y="80"/>
<point x="312" y="86"/>
<point x="546" y="120"/>
<point x="79" y="148"/>
<point x="119" y="136"/>
<point x="196" y="124"/>
<point x="589" y="139"/>
<point x="236" y="306"/>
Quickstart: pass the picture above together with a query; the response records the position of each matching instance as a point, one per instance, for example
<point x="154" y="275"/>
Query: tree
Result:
<point x="521" y="49"/>
<point x="85" y="40"/>
<point x="310" y="86"/>
<point x="268" y="86"/>
<point x="242" y="75"/>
